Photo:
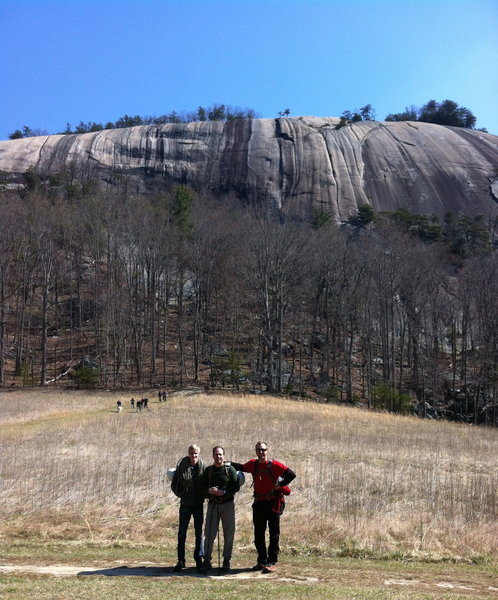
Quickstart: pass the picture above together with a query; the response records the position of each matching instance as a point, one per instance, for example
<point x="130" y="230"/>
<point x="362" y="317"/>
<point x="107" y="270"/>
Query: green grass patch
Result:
<point x="132" y="572"/>
<point x="77" y="552"/>
<point x="138" y="588"/>
<point x="356" y="580"/>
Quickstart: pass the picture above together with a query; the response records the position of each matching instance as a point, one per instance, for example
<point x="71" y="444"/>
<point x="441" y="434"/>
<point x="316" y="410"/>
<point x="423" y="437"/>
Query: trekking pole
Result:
<point x="218" y="521"/>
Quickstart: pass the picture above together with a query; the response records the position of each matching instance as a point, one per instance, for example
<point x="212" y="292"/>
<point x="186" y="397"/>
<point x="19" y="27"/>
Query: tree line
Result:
<point x="446" y="112"/>
<point x="215" y="112"/>
<point x="394" y="311"/>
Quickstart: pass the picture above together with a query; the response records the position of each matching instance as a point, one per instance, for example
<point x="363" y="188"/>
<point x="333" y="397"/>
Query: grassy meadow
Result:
<point x="81" y="482"/>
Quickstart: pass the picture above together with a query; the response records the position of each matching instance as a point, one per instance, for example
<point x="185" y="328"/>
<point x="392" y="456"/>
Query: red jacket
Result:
<point x="265" y="476"/>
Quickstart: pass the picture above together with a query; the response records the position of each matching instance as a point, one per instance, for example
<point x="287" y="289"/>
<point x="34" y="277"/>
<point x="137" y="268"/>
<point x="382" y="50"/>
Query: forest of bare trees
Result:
<point x="109" y="289"/>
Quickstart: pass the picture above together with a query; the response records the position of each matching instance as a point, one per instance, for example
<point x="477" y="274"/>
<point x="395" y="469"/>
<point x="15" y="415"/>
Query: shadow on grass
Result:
<point x="125" y="571"/>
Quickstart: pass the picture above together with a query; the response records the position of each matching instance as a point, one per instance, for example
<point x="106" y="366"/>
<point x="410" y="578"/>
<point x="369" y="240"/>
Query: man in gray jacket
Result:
<point x="186" y="485"/>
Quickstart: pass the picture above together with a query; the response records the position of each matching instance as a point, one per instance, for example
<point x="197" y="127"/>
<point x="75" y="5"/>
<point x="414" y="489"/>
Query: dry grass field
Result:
<point x="80" y="480"/>
<point x="71" y="466"/>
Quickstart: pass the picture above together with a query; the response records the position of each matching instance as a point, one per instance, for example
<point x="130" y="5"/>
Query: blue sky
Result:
<point x="86" y="60"/>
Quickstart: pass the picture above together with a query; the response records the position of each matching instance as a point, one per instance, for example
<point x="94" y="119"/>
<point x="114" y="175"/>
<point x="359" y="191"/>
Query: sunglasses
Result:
<point x="261" y="449"/>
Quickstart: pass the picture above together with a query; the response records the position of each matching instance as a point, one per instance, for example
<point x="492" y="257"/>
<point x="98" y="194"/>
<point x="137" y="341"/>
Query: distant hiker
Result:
<point x="219" y="483"/>
<point x="119" y="406"/>
<point x="132" y="403"/>
<point x="139" y="405"/>
<point x="160" y="396"/>
<point x="270" y="479"/>
<point x="186" y="485"/>
<point x="165" y="396"/>
<point x="145" y="402"/>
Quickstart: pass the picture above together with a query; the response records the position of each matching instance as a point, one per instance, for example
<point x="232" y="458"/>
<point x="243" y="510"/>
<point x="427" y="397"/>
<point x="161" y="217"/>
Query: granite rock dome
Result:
<point x="298" y="165"/>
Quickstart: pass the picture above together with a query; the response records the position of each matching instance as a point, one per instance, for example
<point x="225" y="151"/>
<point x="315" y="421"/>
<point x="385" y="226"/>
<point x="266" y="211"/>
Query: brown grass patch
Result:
<point x="73" y="468"/>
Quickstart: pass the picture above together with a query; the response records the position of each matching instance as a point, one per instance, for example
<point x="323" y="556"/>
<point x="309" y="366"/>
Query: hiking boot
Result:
<point x="206" y="566"/>
<point x="179" y="566"/>
<point x="269" y="568"/>
<point x="199" y="566"/>
<point x="226" y="566"/>
<point x="259" y="567"/>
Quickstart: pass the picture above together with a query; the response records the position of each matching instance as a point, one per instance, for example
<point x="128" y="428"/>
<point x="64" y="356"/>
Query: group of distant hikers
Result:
<point x="143" y="403"/>
<point x="193" y="481"/>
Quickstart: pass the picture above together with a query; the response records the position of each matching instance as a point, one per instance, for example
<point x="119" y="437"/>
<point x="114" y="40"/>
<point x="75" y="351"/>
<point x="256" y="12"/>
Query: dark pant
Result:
<point x="185" y="513"/>
<point x="263" y="515"/>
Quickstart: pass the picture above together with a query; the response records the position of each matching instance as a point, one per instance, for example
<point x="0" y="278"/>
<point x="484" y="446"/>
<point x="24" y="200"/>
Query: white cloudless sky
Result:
<point x="95" y="60"/>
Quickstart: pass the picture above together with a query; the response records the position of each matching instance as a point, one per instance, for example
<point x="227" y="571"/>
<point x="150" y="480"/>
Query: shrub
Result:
<point x="86" y="377"/>
<point x="387" y="398"/>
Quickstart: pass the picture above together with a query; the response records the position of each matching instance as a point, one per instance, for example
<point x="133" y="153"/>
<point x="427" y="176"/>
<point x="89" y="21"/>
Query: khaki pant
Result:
<point x="215" y="512"/>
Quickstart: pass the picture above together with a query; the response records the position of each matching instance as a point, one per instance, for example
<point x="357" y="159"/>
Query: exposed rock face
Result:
<point x="295" y="164"/>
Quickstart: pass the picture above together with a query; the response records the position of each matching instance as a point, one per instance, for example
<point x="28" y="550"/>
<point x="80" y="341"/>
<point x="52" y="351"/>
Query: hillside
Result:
<point x="381" y="503"/>
<point x="374" y="478"/>
<point x="299" y="166"/>
<point x="114" y="277"/>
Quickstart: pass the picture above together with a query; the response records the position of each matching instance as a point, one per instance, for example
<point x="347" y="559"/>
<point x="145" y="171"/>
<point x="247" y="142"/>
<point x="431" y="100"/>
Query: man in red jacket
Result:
<point x="270" y="479"/>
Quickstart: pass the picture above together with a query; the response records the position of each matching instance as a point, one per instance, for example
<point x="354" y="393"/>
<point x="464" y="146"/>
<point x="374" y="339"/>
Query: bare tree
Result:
<point x="8" y="240"/>
<point x="275" y="263"/>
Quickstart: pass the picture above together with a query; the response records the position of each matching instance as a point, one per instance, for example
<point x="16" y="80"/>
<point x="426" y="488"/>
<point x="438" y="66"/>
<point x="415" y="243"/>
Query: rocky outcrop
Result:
<point x="298" y="165"/>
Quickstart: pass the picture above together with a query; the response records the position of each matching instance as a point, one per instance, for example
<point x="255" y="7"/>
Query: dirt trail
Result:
<point x="143" y="570"/>
<point x="470" y="588"/>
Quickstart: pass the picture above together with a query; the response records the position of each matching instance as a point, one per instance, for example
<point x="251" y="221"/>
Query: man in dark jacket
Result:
<point x="219" y="483"/>
<point x="270" y="479"/>
<point x="186" y="485"/>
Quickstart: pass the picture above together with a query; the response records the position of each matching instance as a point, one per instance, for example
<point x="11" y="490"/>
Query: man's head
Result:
<point x="193" y="453"/>
<point x="262" y="451"/>
<point x="218" y="455"/>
